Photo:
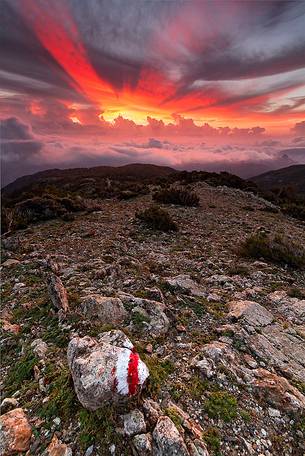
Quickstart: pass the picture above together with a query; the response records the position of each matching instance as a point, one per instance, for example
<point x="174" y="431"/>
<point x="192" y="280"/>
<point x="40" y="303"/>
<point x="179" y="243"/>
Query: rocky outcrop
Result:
<point x="58" y="293"/>
<point x="277" y="391"/>
<point x="280" y="348"/>
<point x="151" y="315"/>
<point x="249" y="312"/>
<point x="108" y="310"/>
<point x="105" y="370"/>
<point x="185" y="284"/>
<point x="291" y="308"/>
<point x="15" y="432"/>
<point x="166" y="439"/>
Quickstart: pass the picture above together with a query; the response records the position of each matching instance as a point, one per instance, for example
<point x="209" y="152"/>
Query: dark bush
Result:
<point x="294" y="209"/>
<point x="43" y="208"/>
<point x="158" y="219"/>
<point x="36" y="209"/>
<point x="275" y="248"/>
<point x="177" y="196"/>
<point x="72" y="205"/>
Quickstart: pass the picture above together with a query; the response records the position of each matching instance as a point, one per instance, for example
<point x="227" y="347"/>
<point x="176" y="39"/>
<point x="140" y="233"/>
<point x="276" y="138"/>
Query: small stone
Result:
<point x="8" y="404"/>
<point x="40" y="348"/>
<point x="58" y="293"/>
<point x="89" y="451"/>
<point x="206" y="367"/>
<point x="181" y="328"/>
<point x="274" y="413"/>
<point x="149" y="348"/>
<point x="186" y="285"/>
<point x="152" y="411"/>
<point x="56" y="448"/>
<point x="112" y="449"/>
<point x="134" y="423"/>
<point x="142" y="444"/>
<point x="10" y="263"/>
<point x="11" y="328"/>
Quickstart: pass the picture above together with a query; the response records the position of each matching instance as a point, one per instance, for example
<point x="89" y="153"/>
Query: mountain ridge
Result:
<point x="292" y="176"/>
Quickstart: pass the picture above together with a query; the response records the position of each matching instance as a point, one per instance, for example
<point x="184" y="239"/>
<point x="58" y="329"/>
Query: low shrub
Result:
<point x="221" y="405"/>
<point x="275" y="248"/>
<point x="177" y="196"/>
<point x="158" y="219"/>
<point x="47" y="207"/>
<point x="212" y="438"/>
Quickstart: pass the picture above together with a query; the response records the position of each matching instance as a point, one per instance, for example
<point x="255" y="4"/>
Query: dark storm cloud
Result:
<point x="19" y="149"/>
<point x="189" y="41"/>
<point x="12" y="128"/>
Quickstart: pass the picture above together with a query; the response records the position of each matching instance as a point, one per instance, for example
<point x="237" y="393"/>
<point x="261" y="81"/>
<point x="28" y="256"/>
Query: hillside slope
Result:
<point x="134" y="170"/>
<point x="222" y="335"/>
<point x="293" y="176"/>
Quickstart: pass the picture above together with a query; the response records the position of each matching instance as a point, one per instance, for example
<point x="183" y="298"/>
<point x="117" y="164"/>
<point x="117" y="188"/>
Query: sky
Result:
<point x="207" y="84"/>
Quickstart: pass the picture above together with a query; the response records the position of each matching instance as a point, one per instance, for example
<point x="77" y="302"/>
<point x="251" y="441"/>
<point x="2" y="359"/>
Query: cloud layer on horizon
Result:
<point x="24" y="152"/>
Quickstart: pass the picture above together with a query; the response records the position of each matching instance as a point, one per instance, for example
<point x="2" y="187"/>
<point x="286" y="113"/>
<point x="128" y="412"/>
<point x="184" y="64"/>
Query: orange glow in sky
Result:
<point x="155" y="94"/>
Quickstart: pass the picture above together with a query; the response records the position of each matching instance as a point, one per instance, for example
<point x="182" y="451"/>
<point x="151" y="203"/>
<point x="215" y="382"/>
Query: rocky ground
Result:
<point x="222" y="337"/>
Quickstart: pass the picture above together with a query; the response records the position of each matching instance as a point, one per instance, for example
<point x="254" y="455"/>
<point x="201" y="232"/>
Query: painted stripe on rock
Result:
<point x="130" y="372"/>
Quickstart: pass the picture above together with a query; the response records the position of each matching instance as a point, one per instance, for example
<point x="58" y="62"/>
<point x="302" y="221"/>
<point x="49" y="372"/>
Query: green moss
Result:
<point x="299" y="385"/>
<point x="217" y="309"/>
<point x="212" y="438"/>
<point x="221" y="405"/>
<point x="97" y="329"/>
<point x="62" y="399"/>
<point x="20" y="372"/>
<point x="41" y="309"/>
<point x="158" y="372"/>
<point x="195" y="388"/>
<point x="55" y="334"/>
<point x="174" y="416"/>
<point x="245" y="415"/>
<point x="139" y="320"/>
<point x="97" y="427"/>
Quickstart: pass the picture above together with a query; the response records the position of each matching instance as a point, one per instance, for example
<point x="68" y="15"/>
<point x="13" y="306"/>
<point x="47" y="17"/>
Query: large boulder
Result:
<point x="106" y="369"/>
<point x="108" y="310"/>
<point x="15" y="432"/>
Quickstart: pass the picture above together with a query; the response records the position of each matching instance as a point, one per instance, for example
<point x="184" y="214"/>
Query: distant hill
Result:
<point x="134" y="170"/>
<point x="293" y="176"/>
